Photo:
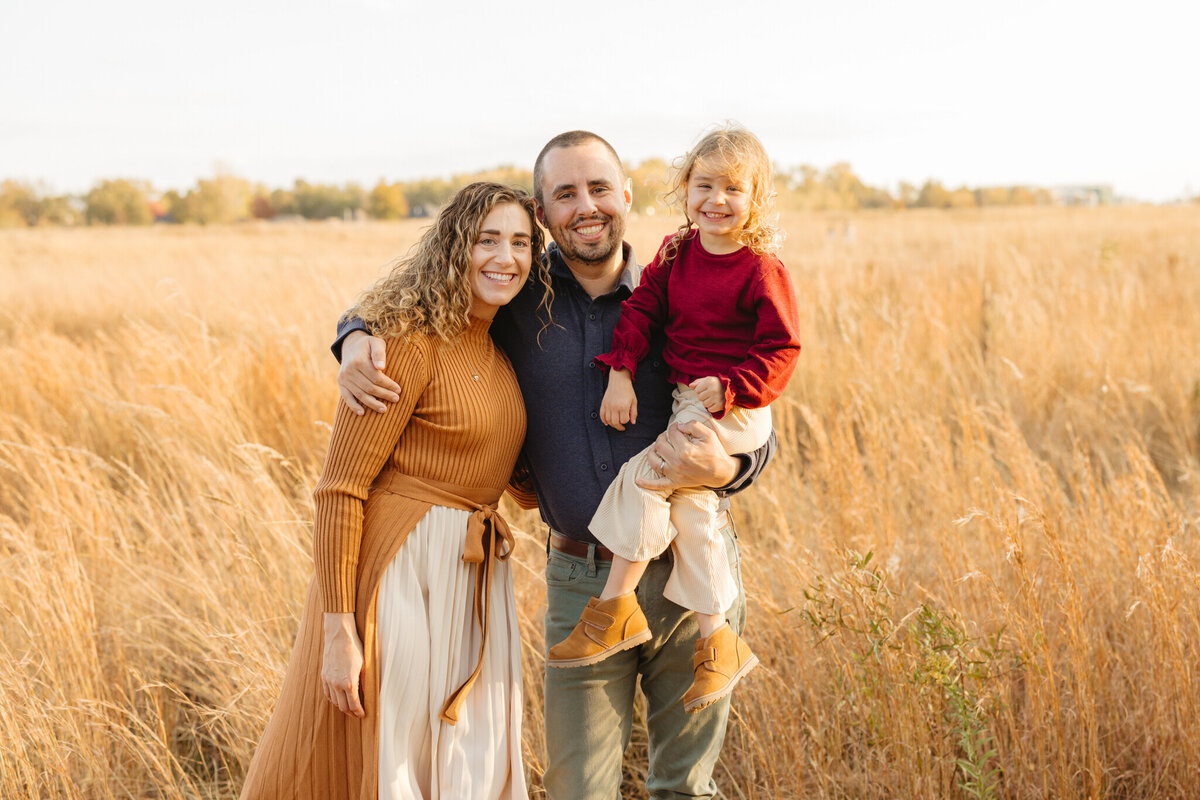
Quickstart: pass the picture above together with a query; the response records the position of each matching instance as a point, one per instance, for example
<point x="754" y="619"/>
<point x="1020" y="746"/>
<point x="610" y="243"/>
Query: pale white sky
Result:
<point x="981" y="93"/>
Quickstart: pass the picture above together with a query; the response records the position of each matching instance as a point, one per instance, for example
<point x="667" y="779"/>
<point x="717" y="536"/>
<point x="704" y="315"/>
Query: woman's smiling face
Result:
<point x="500" y="258"/>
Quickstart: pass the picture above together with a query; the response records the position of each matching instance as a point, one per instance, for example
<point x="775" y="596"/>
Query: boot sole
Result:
<point x="596" y="658"/>
<point x="697" y="703"/>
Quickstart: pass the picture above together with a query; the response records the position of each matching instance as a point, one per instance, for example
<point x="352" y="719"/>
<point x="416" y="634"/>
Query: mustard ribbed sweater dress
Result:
<point x="388" y="549"/>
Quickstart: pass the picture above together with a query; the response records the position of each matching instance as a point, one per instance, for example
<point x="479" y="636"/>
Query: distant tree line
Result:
<point x="226" y="198"/>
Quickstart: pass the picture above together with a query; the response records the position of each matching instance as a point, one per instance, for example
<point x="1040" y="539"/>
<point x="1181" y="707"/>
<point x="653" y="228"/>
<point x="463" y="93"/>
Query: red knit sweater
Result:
<point x="733" y="316"/>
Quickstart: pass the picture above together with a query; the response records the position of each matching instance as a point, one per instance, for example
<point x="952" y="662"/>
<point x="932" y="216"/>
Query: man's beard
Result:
<point x="590" y="253"/>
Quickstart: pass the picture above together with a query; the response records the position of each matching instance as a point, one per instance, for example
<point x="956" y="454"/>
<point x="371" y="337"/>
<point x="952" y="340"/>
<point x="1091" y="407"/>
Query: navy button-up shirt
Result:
<point x="572" y="455"/>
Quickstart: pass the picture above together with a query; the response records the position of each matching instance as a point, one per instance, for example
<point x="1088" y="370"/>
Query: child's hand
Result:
<point x="619" y="405"/>
<point x="710" y="393"/>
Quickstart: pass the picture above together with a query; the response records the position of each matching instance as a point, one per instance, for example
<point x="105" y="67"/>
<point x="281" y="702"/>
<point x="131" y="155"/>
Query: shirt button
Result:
<point x="604" y="467"/>
<point x="592" y="315"/>
<point x="592" y="364"/>
<point x="594" y="415"/>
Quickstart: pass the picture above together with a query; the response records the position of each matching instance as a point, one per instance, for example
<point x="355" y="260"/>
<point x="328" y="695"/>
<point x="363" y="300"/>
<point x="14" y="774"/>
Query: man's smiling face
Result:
<point x="585" y="198"/>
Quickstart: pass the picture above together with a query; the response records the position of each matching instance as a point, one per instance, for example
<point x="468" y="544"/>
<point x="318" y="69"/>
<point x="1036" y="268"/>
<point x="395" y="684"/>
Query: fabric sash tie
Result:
<point x="488" y="539"/>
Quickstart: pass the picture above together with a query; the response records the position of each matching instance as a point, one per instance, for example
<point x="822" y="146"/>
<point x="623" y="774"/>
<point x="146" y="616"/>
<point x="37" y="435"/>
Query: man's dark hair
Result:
<point x="569" y="139"/>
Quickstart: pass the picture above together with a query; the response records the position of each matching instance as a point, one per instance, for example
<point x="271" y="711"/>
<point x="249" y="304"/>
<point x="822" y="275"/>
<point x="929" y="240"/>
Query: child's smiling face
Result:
<point x="718" y="201"/>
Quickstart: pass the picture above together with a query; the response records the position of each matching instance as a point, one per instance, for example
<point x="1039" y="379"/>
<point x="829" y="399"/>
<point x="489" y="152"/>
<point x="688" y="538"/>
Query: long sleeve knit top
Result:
<point x="732" y="316"/>
<point x="460" y="421"/>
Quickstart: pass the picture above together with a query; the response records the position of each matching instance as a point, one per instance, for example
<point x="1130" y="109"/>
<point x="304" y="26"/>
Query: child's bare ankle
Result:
<point x="709" y="623"/>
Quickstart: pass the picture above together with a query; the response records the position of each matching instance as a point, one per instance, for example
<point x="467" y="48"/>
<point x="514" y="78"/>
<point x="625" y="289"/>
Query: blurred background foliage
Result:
<point x="227" y="198"/>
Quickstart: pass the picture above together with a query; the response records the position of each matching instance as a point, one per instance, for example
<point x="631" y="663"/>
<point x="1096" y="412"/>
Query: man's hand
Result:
<point x="710" y="393"/>
<point x="342" y="664"/>
<point x="361" y="379"/>
<point x="690" y="455"/>
<point x="619" y="405"/>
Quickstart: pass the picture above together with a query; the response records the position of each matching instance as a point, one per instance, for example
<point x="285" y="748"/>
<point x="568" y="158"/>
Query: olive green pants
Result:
<point x="589" y="710"/>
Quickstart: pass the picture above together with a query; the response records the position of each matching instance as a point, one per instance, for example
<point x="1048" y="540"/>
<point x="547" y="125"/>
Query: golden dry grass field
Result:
<point x="973" y="568"/>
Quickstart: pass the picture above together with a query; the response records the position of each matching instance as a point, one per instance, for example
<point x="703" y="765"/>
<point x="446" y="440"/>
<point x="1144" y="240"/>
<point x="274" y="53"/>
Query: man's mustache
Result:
<point x="597" y="217"/>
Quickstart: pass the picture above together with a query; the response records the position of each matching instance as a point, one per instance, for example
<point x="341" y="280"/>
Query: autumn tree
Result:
<point x="427" y="195"/>
<point x="851" y="192"/>
<point x="323" y="201"/>
<point x="800" y="188"/>
<point x="284" y="202"/>
<point x="387" y="201"/>
<point x="843" y="186"/>
<point x="507" y="174"/>
<point x="61" y="209"/>
<point x="806" y="188"/>
<point x="175" y="205"/>
<point x="261" y="206"/>
<point x="118" y="202"/>
<point x="933" y="195"/>
<point x="19" y="205"/>
<point x="991" y="196"/>
<point x="25" y="204"/>
<point x="962" y="197"/>
<point x="1021" y="196"/>
<point x="220" y="200"/>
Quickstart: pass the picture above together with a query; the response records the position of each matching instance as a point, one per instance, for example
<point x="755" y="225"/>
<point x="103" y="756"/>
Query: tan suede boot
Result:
<point x="720" y="661"/>
<point x="604" y="627"/>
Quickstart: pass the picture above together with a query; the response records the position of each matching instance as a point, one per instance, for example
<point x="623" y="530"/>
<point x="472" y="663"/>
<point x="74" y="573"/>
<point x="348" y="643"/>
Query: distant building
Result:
<point x="1100" y="194"/>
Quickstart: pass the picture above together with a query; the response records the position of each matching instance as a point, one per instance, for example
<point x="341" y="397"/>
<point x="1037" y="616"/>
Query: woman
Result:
<point x="410" y="624"/>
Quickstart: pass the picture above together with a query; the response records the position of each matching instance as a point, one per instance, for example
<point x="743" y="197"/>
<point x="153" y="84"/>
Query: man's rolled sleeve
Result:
<point x="346" y="326"/>
<point x="752" y="465"/>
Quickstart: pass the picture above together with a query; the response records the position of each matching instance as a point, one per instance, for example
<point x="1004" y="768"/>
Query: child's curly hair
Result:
<point x="430" y="288"/>
<point x="732" y="149"/>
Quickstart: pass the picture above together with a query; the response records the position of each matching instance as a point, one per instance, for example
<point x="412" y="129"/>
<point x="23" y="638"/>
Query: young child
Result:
<point x="729" y="313"/>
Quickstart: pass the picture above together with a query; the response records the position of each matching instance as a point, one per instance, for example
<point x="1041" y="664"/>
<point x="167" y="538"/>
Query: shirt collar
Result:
<point x="631" y="271"/>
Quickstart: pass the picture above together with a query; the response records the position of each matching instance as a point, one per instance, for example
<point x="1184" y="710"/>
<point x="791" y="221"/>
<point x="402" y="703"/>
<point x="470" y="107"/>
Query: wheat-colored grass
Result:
<point x="972" y="567"/>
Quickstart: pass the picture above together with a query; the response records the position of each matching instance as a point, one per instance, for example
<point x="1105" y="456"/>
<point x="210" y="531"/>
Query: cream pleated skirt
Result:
<point x="428" y="645"/>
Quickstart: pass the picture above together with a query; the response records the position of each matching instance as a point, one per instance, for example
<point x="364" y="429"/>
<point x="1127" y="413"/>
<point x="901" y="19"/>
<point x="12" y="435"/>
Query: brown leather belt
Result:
<point x="574" y="547"/>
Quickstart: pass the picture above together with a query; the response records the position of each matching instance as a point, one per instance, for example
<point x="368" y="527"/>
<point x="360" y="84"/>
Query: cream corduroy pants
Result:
<point x="639" y="524"/>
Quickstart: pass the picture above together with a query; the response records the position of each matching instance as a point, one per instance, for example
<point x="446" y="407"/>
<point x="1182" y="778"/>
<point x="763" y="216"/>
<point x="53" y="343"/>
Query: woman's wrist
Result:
<point x="335" y="623"/>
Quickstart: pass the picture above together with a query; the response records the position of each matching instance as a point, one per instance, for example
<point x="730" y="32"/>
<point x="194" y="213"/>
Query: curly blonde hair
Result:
<point x="733" y="149"/>
<point x="429" y="289"/>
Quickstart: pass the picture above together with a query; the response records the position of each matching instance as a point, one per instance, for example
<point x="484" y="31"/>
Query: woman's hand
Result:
<point x="342" y="664"/>
<point x="710" y="393"/>
<point x="361" y="379"/>
<point x="619" y="405"/>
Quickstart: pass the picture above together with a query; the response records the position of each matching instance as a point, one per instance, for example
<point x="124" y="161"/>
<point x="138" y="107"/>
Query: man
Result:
<point x="583" y="197"/>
